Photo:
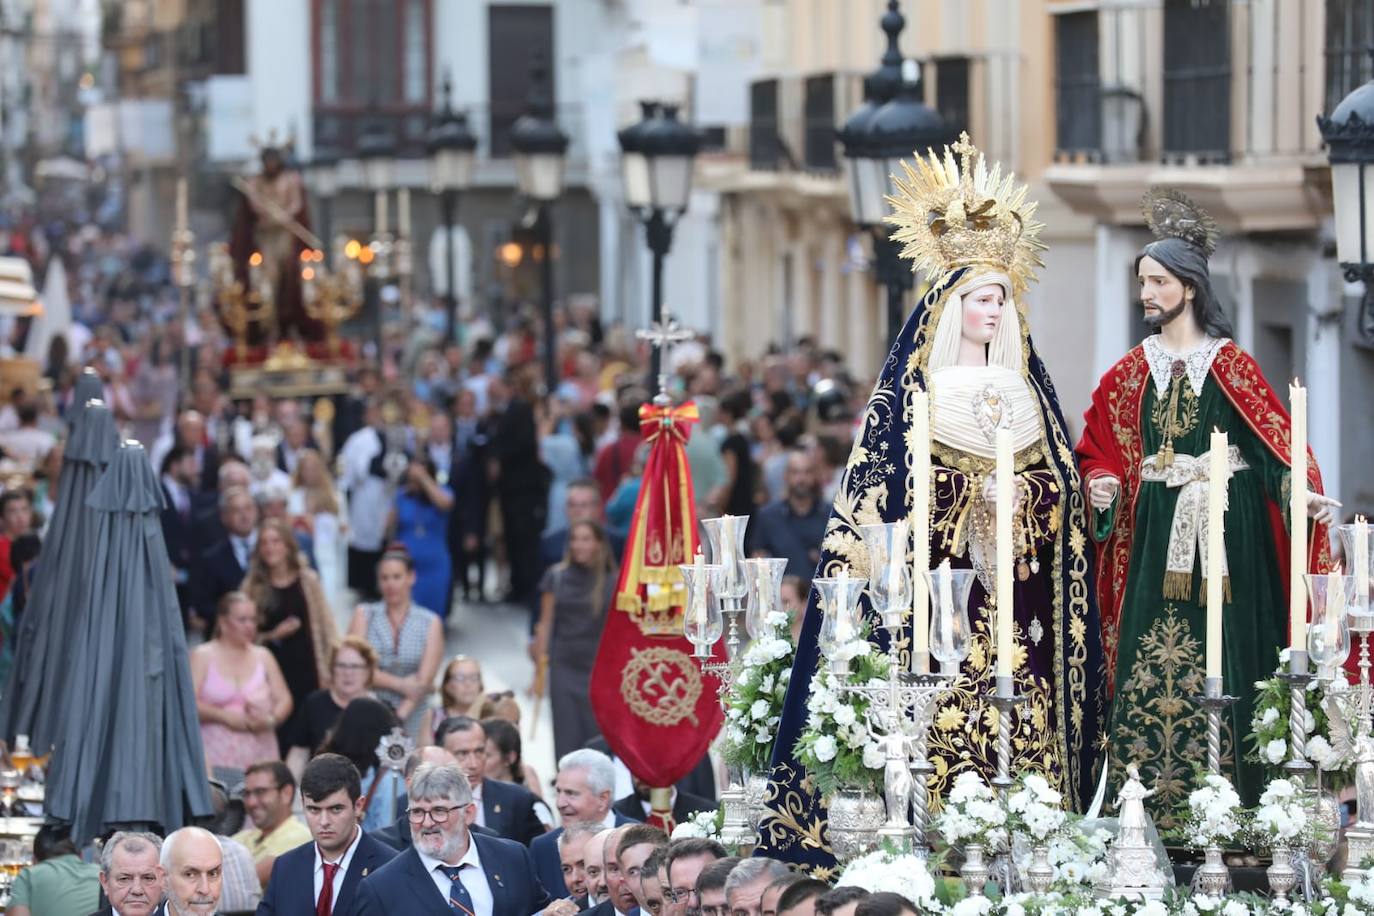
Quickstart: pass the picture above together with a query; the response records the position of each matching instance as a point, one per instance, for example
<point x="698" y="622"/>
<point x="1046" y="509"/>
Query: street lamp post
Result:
<point x="451" y="148"/>
<point x="541" y="148"/>
<point x="377" y="152"/>
<point x="1349" y="136"/>
<point x="657" y="155"/>
<point x="891" y="124"/>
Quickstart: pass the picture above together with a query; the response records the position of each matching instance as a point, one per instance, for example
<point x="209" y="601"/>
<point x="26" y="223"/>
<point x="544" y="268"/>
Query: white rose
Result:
<point x="1276" y="750"/>
<point x="1271" y="715"/>
<point x="845" y="715"/>
<point x="759" y="710"/>
<point x="874" y="757"/>
<point x="825" y="749"/>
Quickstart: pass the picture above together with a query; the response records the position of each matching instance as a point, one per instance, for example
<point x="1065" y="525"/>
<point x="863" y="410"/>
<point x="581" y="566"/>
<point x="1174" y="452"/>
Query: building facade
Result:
<point x="1219" y="98"/>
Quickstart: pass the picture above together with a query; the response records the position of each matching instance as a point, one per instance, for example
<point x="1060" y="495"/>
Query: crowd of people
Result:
<point x="318" y="545"/>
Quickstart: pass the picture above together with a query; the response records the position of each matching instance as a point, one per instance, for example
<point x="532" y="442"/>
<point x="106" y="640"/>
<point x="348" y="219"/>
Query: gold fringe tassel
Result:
<point x="1178" y="586"/>
<point x="1225" y="588"/>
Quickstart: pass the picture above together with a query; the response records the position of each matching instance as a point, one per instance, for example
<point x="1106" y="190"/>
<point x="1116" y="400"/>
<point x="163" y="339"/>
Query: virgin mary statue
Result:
<point x="973" y="234"/>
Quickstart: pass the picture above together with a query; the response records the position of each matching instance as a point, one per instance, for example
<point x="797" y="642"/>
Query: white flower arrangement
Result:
<point x="1037" y="809"/>
<point x="899" y="873"/>
<point x="1281" y="817"/>
<point x="704" y="825"/>
<point x="1269" y="733"/>
<point x="836" y="746"/>
<point x="755" y="706"/>
<point x="1215" y="814"/>
<point x="973" y="814"/>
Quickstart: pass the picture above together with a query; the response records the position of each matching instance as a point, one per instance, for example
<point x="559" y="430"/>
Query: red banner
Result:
<point x="656" y="709"/>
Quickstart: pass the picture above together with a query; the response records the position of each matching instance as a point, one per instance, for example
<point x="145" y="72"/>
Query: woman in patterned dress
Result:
<point x="409" y="639"/>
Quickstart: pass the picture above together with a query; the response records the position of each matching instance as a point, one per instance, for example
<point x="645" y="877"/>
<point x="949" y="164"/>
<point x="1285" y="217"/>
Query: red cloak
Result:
<point x="1111" y="445"/>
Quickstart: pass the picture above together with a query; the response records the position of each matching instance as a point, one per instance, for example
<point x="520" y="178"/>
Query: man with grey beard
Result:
<point x="194" y="866"/>
<point x="449" y="869"/>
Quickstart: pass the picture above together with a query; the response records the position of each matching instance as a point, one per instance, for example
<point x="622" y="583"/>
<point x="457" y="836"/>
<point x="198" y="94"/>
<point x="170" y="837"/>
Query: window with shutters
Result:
<point x="1197" y="80"/>
<point x="1078" y="86"/>
<point x="952" y="92"/>
<point x="514" y="34"/>
<point x="819" y="139"/>
<point x="372" y="59"/>
<point x="1349" y="41"/>
<point x="765" y="149"/>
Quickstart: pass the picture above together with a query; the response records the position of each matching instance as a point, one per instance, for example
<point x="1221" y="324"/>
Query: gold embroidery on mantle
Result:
<point x="1160" y="726"/>
<point x="790" y="817"/>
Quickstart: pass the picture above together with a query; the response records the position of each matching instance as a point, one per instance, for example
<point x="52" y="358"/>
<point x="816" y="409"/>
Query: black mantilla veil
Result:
<point x="1185" y="239"/>
<point x="875" y="487"/>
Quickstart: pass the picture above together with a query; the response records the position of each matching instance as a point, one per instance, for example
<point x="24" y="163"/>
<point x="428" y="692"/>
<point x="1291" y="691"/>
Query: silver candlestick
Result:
<point x="1297" y="678"/>
<point x="735" y="828"/>
<point x="1004" y="699"/>
<point x="1213" y="877"/>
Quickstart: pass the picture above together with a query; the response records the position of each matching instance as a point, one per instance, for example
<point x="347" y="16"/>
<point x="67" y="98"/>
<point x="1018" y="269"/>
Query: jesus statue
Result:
<point x="1144" y="455"/>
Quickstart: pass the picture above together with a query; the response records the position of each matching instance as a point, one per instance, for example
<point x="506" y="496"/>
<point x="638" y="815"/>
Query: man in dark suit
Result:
<point x="448" y="869"/>
<point x="397" y="836"/>
<point x="183" y="512"/>
<point x="684" y="804"/>
<point x="224" y="564"/>
<point x="583" y="787"/>
<point x="521" y="479"/>
<point x="322" y="876"/>
<point x="130" y="875"/>
<point x="503" y="807"/>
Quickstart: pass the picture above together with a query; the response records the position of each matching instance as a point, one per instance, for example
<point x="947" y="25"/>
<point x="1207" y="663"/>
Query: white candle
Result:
<point x="1361" y="561"/>
<point x="379" y="208"/>
<point x="181" y="203"/>
<point x="1297" y="509"/>
<point x="920" y="531"/>
<point x="1216" y="548"/>
<point x="403" y="213"/>
<point x="1006" y="480"/>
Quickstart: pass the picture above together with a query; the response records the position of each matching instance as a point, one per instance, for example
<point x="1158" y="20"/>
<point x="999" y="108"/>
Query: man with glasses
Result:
<point x="130" y="874"/>
<point x="503" y="807"/>
<point x="321" y="877"/>
<point x="682" y="863"/>
<point x="450" y="870"/>
<point x="268" y="791"/>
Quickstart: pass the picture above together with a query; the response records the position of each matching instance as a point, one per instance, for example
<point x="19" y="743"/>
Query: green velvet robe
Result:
<point x="1156" y="722"/>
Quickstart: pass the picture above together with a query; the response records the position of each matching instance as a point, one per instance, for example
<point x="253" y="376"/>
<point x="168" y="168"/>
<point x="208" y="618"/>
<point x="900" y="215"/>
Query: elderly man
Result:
<point x="583" y="787"/>
<point x="503" y="807"/>
<point x="269" y="790"/>
<point x="131" y="875"/>
<point x="397" y="836"/>
<point x="322" y="876"/>
<point x="450" y="870"/>
<point x="193" y="864"/>
<point x="617" y="898"/>
<point x="747" y="882"/>
<point x="594" y="854"/>
<point x="682" y="864"/>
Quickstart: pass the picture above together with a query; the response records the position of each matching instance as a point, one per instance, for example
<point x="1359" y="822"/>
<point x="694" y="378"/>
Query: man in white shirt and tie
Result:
<point x="450" y="870"/>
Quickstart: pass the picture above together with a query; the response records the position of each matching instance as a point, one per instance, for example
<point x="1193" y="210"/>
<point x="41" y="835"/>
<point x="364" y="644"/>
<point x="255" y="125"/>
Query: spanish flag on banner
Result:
<point x="656" y="709"/>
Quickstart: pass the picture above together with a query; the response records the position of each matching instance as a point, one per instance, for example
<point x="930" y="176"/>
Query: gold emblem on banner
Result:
<point x="661" y="686"/>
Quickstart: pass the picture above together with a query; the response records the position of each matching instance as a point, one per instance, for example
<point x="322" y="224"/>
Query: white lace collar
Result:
<point x="1196" y="363"/>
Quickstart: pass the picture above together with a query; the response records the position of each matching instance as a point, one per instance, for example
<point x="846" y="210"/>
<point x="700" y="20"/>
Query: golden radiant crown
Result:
<point x="951" y="214"/>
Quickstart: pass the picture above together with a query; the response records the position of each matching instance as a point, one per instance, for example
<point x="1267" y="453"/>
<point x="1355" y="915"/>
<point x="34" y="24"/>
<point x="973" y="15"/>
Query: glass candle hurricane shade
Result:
<point x="702" y="622"/>
<point x="949" y="631"/>
<point x="764" y="576"/>
<point x="1328" y="636"/>
<point x="726" y="538"/>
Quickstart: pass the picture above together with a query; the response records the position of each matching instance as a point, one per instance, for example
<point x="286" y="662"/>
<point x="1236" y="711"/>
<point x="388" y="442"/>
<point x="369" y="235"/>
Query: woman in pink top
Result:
<point x="241" y="694"/>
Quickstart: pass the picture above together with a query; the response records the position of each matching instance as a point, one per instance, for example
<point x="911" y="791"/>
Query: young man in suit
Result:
<point x="130" y="874"/>
<point x="585" y="781"/>
<point x="504" y="807"/>
<point x="321" y="877"/>
<point x="449" y="869"/>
